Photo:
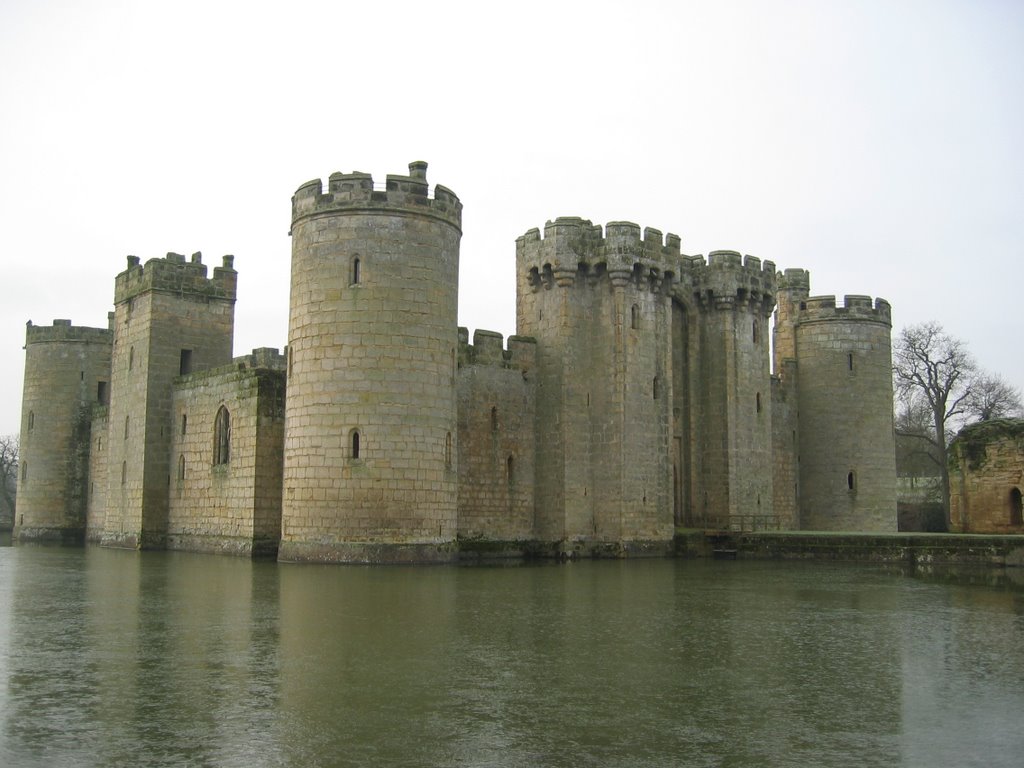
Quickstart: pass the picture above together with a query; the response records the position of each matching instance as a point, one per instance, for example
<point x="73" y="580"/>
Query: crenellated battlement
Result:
<point x="355" y="192"/>
<point x="63" y="330"/>
<point x="855" y="307"/>
<point x="572" y="246"/>
<point x="173" y="274"/>
<point x="487" y="349"/>
<point x="729" y="279"/>
<point x="794" y="280"/>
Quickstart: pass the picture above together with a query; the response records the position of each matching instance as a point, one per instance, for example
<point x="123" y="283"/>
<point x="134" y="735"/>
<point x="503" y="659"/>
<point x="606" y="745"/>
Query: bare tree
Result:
<point x="9" y="449"/>
<point x="931" y="365"/>
<point x="992" y="398"/>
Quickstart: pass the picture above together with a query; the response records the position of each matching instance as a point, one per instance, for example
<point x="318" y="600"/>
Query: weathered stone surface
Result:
<point x="986" y="476"/>
<point x="638" y="398"/>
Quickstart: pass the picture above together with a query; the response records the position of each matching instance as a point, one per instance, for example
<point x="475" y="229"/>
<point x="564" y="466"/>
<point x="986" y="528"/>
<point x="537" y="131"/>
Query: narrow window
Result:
<point x="635" y="317"/>
<point x="849" y="362"/>
<point x="184" y="423"/>
<point x="355" y="443"/>
<point x="24" y="472"/>
<point x="131" y="358"/>
<point x="126" y="427"/>
<point x="185" y="362"/>
<point x="222" y="437"/>
<point x="1016" y="507"/>
<point x="755" y="332"/>
<point x="31" y="420"/>
<point x="181" y="466"/>
<point x="757" y="402"/>
<point x="448" y="450"/>
<point x="851" y="480"/>
<point x="655" y="388"/>
<point x="124" y="471"/>
<point x="99" y="443"/>
<point x="355" y="271"/>
<point x="510" y="470"/>
<point x="494" y="419"/>
<point x="101" y="392"/>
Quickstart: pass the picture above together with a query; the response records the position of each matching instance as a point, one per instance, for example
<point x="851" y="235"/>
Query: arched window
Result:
<point x="1016" y="507"/>
<point x="755" y="332"/>
<point x="181" y="467"/>
<point x="222" y="437"/>
<point x="355" y="443"/>
<point x="851" y="480"/>
<point x="635" y="317"/>
<point x="356" y="271"/>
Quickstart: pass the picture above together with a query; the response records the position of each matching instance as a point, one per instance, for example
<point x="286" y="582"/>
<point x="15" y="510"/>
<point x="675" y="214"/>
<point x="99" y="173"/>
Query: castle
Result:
<point x="641" y="394"/>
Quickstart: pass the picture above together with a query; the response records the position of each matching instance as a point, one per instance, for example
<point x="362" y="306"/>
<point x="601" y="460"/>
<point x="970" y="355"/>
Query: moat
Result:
<point x="112" y="657"/>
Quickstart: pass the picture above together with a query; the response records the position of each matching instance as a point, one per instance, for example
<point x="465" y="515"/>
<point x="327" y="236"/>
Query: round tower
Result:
<point x="67" y="373"/>
<point x="369" y="472"/>
<point x="847" y="459"/>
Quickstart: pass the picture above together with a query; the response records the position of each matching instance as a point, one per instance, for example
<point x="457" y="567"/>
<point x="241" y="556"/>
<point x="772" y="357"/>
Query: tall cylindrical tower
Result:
<point x="369" y="472"/>
<point x="67" y="372"/>
<point x="847" y="459"/>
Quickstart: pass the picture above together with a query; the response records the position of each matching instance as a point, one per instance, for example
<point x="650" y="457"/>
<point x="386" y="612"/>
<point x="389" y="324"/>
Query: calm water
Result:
<point x="119" y="658"/>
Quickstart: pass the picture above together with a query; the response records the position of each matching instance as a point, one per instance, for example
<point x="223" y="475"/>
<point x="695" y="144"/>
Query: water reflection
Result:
<point x="121" y="658"/>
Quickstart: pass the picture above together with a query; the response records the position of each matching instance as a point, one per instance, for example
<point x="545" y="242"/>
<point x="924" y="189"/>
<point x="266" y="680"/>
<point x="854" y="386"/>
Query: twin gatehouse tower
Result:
<point x="641" y="394"/>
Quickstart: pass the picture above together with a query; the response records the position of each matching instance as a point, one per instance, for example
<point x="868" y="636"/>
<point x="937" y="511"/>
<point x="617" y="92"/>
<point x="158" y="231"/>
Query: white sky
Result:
<point x="877" y="144"/>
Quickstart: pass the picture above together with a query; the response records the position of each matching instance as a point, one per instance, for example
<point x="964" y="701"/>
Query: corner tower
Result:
<point x="370" y="474"/>
<point x="170" y="319"/>
<point x="67" y="373"/>
<point x="847" y="461"/>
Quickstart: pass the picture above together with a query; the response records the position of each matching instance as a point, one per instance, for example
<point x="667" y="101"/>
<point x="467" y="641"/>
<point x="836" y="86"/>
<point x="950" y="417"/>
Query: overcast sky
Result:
<point x="877" y="144"/>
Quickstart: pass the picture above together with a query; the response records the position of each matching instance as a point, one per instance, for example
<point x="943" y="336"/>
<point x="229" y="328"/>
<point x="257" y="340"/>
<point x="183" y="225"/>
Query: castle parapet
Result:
<point x="63" y="330"/>
<point x="487" y="349"/>
<point x="855" y="307"/>
<point x="355" y="192"/>
<point x="729" y="279"/>
<point x="175" y="274"/>
<point x="571" y="245"/>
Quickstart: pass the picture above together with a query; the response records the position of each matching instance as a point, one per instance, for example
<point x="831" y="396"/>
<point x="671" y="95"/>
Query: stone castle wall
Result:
<point x="96" y="508"/>
<point x="228" y="503"/>
<point x="496" y="438"/>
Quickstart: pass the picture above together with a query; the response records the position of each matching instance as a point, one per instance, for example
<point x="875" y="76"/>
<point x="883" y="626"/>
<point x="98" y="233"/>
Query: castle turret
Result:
<point x="169" y="319"/>
<point x="67" y="373"/>
<point x="599" y="305"/>
<point x="847" y="463"/>
<point x="733" y="392"/>
<point x="370" y="469"/>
